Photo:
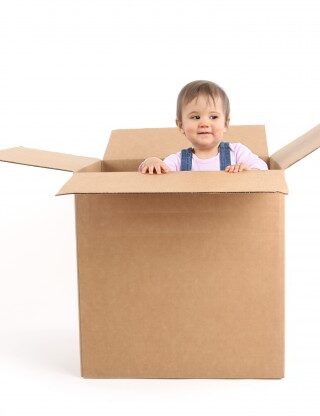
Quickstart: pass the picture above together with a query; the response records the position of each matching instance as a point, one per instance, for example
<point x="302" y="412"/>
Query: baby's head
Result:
<point x="205" y="89"/>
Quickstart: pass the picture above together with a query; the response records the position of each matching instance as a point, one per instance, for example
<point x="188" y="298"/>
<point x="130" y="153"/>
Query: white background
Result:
<point x="70" y="72"/>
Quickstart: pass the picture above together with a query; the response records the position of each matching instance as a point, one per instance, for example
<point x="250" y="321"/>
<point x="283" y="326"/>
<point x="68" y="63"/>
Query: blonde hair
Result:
<point x="206" y="88"/>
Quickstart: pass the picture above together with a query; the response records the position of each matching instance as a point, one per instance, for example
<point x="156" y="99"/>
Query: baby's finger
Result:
<point x="151" y="168"/>
<point x="236" y="168"/>
<point x="158" y="169"/>
<point x="144" y="169"/>
<point x="165" y="168"/>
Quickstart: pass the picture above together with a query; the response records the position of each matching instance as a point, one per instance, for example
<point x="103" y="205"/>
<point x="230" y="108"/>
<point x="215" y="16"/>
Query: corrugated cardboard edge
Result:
<point x="46" y="159"/>
<point x="296" y="150"/>
<point x="175" y="182"/>
<point x="78" y="277"/>
<point x="95" y="377"/>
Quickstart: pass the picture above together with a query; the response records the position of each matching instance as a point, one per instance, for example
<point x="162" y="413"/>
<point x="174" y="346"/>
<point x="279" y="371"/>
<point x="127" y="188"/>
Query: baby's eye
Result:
<point x="213" y="117"/>
<point x="196" y="117"/>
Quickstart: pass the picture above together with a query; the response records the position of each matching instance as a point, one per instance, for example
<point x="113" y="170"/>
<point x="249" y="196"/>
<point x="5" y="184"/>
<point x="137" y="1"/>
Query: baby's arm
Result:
<point x="171" y="163"/>
<point x="152" y="164"/>
<point x="245" y="160"/>
<point x="239" y="167"/>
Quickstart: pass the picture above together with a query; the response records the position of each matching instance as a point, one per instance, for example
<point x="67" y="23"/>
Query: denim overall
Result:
<point x="225" y="160"/>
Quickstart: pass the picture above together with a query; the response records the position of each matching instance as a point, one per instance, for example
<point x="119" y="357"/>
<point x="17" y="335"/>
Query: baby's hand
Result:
<point x="153" y="163"/>
<point x="237" y="168"/>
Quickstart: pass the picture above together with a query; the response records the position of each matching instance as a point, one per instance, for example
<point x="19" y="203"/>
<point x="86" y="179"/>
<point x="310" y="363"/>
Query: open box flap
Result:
<point x="175" y="182"/>
<point x="138" y="144"/>
<point x="45" y="159"/>
<point x="296" y="150"/>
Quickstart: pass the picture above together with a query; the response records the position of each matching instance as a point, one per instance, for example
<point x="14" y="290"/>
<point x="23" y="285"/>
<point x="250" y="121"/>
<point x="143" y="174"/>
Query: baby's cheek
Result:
<point x="189" y="131"/>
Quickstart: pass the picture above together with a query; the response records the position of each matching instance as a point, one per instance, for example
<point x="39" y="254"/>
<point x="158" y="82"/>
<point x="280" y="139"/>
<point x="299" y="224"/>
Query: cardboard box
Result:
<point x="180" y="275"/>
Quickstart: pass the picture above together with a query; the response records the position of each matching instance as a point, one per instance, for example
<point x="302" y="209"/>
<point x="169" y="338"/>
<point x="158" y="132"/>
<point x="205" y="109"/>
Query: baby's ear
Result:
<point x="179" y="125"/>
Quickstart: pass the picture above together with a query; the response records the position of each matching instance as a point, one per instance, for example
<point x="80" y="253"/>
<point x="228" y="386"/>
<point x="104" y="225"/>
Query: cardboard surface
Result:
<point x="181" y="286"/>
<point x="138" y="144"/>
<point x="175" y="182"/>
<point x="296" y="150"/>
<point x="45" y="159"/>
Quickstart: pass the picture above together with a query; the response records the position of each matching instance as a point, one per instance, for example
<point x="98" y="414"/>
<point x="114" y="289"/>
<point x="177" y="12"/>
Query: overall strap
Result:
<point x="186" y="159"/>
<point x="225" y="159"/>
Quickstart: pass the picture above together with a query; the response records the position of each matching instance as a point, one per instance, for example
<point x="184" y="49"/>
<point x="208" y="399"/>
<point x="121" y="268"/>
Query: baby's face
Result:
<point x="203" y="123"/>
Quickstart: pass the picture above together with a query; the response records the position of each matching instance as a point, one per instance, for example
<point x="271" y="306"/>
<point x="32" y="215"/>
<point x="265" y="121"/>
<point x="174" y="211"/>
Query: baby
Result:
<point x="203" y="116"/>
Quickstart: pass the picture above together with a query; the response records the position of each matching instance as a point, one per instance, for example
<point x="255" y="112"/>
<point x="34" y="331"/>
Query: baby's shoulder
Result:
<point x="174" y="155"/>
<point x="173" y="160"/>
<point x="238" y="147"/>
